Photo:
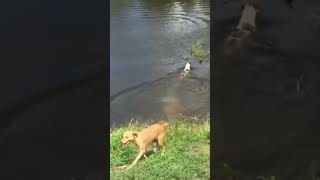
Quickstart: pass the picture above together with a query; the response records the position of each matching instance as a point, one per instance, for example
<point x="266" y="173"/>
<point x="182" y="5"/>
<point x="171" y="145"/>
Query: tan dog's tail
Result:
<point x="164" y="124"/>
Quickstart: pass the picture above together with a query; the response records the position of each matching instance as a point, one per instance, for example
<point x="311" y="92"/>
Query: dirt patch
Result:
<point x="200" y="149"/>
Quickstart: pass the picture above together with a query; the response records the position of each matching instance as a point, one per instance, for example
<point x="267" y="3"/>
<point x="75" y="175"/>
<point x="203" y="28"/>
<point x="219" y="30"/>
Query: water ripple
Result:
<point x="173" y="15"/>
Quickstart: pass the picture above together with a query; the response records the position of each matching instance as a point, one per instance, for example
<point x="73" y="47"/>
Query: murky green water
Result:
<point x="148" y="44"/>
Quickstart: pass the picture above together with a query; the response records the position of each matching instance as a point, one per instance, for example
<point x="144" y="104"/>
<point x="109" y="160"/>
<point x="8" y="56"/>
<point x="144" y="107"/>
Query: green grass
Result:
<point x="199" y="52"/>
<point x="187" y="154"/>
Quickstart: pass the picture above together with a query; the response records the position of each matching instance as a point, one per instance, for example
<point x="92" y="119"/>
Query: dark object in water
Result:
<point x="289" y="3"/>
<point x="242" y="6"/>
<point x="269" y="43"/>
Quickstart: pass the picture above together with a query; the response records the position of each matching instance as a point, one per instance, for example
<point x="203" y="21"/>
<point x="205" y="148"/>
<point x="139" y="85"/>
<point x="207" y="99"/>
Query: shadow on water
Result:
<point x="149" y="40"/>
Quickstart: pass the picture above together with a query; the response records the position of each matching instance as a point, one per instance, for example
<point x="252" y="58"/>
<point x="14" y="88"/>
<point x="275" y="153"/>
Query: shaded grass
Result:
<point x="187" y="154"/>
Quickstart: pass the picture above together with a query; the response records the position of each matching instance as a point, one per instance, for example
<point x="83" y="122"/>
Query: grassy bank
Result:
<point x="198" y="52"/>
<point x="187" y="155"/>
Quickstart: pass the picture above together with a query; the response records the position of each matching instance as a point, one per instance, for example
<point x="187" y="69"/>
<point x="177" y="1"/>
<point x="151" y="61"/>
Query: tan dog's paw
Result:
<point x="162" y="153"/>
<point x="121" y="168"/>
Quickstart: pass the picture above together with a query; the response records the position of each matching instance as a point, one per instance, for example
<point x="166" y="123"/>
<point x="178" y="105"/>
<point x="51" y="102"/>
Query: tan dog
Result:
<point x="145" y="138"/>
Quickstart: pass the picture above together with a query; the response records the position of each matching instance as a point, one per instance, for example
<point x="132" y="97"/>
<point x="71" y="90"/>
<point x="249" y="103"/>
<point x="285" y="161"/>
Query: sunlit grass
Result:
<point x="187" y="155"/>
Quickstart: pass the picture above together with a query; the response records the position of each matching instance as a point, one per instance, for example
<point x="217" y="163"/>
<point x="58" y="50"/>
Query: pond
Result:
<point x="148" y="43"/>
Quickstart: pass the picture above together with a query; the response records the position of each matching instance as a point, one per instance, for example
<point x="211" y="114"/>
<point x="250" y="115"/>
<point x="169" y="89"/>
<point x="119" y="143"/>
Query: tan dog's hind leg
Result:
<point x="161" y="142"/>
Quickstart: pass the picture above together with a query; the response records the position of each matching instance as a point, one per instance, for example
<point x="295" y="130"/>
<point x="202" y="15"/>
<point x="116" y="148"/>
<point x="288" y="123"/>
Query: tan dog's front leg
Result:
<point x="137" y="158"/>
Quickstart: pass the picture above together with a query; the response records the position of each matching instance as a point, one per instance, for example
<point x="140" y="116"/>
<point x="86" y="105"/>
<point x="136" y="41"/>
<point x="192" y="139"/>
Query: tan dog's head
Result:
<point x="164" y="124"/>
<point x="128" y="136"/>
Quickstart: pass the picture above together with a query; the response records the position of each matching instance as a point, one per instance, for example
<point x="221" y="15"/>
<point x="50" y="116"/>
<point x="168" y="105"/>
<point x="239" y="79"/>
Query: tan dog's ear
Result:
<point x="135" y="134"/>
